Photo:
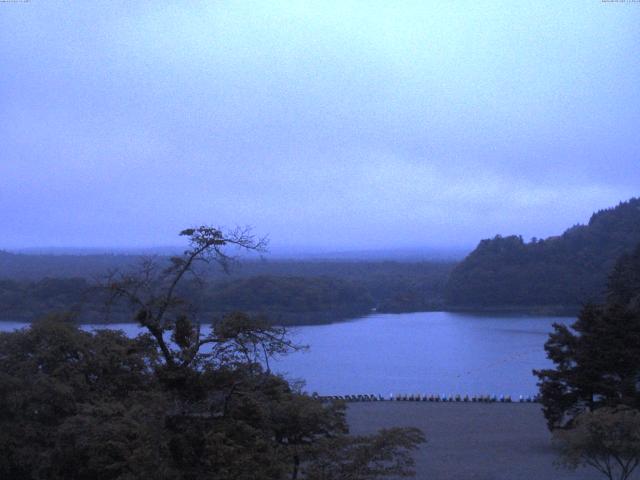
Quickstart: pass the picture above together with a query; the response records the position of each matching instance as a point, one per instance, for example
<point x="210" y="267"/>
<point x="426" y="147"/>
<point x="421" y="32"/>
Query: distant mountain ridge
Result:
<point x="557" y="274"/>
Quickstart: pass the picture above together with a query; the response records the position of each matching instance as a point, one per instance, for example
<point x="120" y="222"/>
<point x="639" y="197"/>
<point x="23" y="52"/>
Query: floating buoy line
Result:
<point x="430" y="398"/>
<point x="446" y="398"/>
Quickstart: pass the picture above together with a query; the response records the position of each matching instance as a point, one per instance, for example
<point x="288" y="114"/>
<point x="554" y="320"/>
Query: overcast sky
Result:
<point x="330" y="125"/>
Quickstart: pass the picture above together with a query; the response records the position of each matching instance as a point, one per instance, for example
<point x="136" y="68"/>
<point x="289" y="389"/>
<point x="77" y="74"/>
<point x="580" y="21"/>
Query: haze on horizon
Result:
<point x="329" y="125"/>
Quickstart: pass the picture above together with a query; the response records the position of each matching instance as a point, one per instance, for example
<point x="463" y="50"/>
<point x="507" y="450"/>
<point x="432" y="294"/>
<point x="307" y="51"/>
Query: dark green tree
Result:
<point x="560" y="273"/>
<point x="71" y="401"/>
<point x="597" y="360"/>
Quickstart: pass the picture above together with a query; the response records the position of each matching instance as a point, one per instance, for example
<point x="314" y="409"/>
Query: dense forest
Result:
<point x="554" y="275"/>
<point x="557" y="274"/>
<point x="288" y="292"/>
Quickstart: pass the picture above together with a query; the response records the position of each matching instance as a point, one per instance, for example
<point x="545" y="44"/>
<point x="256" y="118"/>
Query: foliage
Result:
<point x="607" y="439"/>
<point x="289" y="293"/>
<point x="28" y="300"/>
<point x="559" y="273"/>
<point x="57" y="385"/>
<point x="597" y="359"/>
<point x="282" y="297"/>
<point x="365" y="457"/>
<point x="179" y="402"/>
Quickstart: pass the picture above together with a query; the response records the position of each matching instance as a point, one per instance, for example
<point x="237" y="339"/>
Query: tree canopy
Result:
<point x="557" y="274"/>
<point x="597" y="360"/>
<point x="607" y="439"/>
<point x="179" y="402"/>
<point x="288" y="292"/>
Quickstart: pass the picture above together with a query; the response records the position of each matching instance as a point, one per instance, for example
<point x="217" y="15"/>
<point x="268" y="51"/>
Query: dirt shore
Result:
<point x="499" y="441"/>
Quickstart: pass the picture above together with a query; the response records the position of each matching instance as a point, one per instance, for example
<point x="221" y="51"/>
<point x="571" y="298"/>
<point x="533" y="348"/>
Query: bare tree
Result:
<point x="151" y="291"/>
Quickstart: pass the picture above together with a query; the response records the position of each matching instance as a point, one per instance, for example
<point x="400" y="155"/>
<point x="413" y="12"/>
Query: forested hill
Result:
<point x="288" y="292"/>
<point x="555" y="274"/>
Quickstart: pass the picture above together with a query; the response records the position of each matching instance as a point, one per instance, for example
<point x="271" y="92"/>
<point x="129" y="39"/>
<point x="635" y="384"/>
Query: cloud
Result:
<point x="318" y="123"/>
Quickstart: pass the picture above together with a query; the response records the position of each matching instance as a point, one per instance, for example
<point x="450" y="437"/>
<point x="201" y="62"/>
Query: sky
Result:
<point x="324" y="125"/>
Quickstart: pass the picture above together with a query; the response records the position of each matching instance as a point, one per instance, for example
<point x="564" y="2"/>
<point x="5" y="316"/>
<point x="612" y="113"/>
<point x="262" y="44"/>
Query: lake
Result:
<point x="428" y="352"/>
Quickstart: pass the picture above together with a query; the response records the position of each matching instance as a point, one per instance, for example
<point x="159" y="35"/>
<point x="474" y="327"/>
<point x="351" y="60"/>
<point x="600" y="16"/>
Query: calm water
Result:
<point x="431" y="352"/>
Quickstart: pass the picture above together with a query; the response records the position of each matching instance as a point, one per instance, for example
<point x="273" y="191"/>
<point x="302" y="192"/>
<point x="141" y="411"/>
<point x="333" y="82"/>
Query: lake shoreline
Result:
<point x="427" y="353"/>
<point x="329" y="318"/>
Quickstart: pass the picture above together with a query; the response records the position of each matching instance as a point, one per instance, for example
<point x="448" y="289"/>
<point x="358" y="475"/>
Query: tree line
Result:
<point x="553" y="275"/>
<point x="557" y="274"/>
<point x="352" y="290"/>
